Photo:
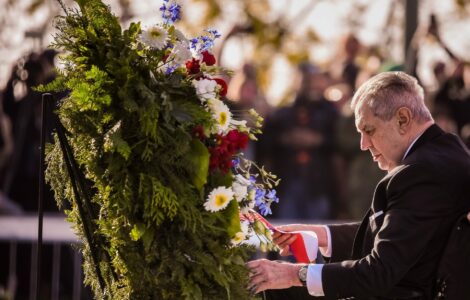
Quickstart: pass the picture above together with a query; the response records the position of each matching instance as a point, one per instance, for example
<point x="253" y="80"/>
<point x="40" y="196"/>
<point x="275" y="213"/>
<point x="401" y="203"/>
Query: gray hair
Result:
<point x="386" y="92"/>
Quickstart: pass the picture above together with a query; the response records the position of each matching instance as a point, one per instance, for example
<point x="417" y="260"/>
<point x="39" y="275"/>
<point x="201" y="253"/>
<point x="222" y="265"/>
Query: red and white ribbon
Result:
<point x="305" y="246"/>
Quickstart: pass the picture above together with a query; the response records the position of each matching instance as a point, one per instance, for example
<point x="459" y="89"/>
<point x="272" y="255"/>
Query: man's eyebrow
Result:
<point x="363" y="127"/>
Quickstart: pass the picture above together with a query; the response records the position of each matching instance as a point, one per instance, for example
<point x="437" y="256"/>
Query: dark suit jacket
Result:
<point x="398" y="245"/>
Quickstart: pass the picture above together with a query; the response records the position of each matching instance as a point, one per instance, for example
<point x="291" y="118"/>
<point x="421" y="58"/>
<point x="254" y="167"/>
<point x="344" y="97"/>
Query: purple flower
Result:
<point x="265" y="209"/>
<point x="170" y="13"/>
<point x="194" y="42"/>
<point x="235" y="162"/>
<point x="170" y="69"/>
<point x="272" y="196"/>
<point x="214" y="33"/>
<point x="259" y="194"/>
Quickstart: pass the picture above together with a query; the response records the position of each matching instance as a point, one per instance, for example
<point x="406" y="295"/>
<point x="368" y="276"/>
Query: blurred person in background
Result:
<point x="248" y="95"/>
<point x="298" y="145"/>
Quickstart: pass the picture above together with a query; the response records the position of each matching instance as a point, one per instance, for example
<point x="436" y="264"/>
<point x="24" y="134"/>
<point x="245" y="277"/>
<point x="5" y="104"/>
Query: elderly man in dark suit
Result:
<point x="395" y="252"/>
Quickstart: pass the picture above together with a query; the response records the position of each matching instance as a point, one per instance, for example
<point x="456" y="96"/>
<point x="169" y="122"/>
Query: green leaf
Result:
<point x="232" y="215"/>
<point x="199" y="160"/>
<point x="137" y="231"/>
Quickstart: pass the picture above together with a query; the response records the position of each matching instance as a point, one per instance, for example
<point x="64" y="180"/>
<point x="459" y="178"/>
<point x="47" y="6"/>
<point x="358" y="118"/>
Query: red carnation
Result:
<point x="208" y="58"/>
<point x="193" y="66"/>
<point x="223" y="86"/>
<point x="225" y="147"/>
<point x="238" y="139"/>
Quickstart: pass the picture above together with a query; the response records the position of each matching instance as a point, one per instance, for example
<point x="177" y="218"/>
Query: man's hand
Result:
<point x="468" y="217"/>
<point x="267" y="275"/>
<point x="283" y="238"/>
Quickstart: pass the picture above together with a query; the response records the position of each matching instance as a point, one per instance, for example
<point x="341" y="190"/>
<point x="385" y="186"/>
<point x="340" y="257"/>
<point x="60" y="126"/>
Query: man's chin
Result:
<point x="383" y="166"/>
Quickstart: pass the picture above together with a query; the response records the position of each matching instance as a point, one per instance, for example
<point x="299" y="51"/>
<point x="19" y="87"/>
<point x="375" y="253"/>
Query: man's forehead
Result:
<point x="359" y="117"/>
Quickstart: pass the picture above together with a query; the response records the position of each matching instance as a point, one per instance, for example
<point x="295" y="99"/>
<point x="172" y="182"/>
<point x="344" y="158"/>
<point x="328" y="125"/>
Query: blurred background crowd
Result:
<point x="298" y="75"/>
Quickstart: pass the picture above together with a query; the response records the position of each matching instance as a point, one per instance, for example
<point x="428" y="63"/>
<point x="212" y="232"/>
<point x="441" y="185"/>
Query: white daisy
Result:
<point x="244" y="234"/>
<point x="218" y="199"/>
<point x="154" y="37"/>
<point x="238" y="238"/>
<point x="221" y="114"/>
<point x="205" y="89"/>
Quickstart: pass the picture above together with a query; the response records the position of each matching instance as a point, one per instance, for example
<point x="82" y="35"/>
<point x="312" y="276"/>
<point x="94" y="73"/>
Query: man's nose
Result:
<point x="365" y="142"/>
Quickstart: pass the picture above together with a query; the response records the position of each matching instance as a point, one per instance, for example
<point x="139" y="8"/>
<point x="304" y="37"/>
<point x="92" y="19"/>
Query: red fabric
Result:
<point x="297" y="248"/>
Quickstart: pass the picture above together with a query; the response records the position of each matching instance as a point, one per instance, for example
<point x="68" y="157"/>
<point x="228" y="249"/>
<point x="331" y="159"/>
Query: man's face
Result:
<point x="382" y="138"/>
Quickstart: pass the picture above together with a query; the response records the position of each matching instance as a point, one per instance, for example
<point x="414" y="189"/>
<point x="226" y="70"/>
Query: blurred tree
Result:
<point x="267" y="30"/>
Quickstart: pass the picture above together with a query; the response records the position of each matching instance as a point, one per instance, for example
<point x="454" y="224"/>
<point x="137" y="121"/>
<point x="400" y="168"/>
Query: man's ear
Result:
<point x="403" y="117"/>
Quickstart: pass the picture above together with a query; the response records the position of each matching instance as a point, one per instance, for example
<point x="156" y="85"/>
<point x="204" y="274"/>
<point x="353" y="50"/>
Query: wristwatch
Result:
<point x="303" y="275"/>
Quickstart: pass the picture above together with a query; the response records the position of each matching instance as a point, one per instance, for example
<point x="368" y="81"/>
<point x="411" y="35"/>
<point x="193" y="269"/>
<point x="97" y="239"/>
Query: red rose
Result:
<point x="223" y="86"/>
<point x="193" y="66"/>
<point x="208" y="58"/>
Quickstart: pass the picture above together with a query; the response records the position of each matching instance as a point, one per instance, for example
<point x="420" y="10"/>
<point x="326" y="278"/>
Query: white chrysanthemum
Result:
<point x="180" y="35"/>
<point x="240" y="187"/>
<point x="154" y="37"/>
<point x="205" y="89"/>
<point x="239" y="190"/>
<point x="218" y="199"/>
<point x="181" y="53"/>
<point x="221" y="114"/>
<point x="242" y="180"/>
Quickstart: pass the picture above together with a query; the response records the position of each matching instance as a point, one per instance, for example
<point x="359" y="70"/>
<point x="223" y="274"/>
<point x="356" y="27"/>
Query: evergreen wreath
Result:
<point x="161" y="153"/>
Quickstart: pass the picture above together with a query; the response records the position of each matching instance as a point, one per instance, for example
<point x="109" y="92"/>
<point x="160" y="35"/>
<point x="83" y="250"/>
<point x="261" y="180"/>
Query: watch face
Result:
<point x="303" y="273"/>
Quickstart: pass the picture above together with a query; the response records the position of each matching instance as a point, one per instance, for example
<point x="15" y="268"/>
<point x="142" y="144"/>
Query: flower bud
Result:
<point x="263" y="247"/>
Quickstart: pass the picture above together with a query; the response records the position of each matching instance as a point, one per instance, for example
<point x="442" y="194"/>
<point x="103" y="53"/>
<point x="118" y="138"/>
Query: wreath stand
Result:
<point x="80" y="190"/>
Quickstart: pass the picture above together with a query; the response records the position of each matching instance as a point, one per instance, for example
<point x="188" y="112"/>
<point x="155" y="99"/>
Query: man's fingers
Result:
<point x="468" y="217"/>
<point x="259" y="283"/>
<point x="286" y="241"/>
<point x="284" y="238"/>
<point x="285" y="251"/>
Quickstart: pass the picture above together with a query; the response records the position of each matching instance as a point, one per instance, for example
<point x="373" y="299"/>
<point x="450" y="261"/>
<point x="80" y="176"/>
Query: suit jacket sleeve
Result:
<point x="416" y="205"/>
<point x="342" y="238"/>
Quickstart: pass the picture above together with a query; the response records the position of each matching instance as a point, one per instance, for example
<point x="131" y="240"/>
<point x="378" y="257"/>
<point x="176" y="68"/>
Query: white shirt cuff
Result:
<point x="314" y="283"/>
<point x="326" y="251"/>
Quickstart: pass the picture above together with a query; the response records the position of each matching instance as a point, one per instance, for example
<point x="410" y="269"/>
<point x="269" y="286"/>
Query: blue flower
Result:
<point x="170" y="13"/>
<point x="265" y="209"/>
<point x="271" y="194"/>
<point x="214" y="33"/>
<point x="235" y="162"/>
<point x="260" y="193"/>
<point x="170" y="69"/>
